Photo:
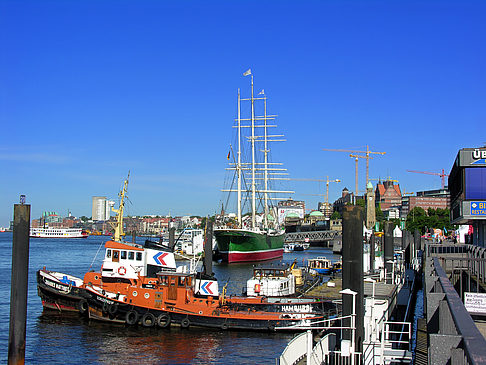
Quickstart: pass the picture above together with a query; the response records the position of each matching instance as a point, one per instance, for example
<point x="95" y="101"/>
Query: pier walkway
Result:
<point x="455" y="331"/>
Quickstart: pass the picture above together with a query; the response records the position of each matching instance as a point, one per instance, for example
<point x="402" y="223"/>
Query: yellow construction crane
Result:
<point x="367" y="156"/>
<point x="385" y="179"/>
<point x="327" y="181"/>
<point x="356" y="171"/>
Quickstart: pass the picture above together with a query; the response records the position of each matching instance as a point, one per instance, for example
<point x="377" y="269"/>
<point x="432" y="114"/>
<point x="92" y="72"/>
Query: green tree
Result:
<point x="379" y="216"/>
<point x="335" y="215"/>
<point x="204" y="219"/>
<point x="416" y="219"/>
<point x="361" y="203"/>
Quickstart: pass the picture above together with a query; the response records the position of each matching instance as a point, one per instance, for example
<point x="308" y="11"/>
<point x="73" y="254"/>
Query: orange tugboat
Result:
<point x="123" y="263"/>
<point x="142" y="284"/>
<point x="193" y="299"/>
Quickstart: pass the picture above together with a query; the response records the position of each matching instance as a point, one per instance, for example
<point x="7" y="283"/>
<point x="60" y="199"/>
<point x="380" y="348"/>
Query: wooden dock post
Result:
<point x="19" y="284"/>
<point x="353" y="220"/>
<point x="372" y="253"/>
<point x="208" y="249"/>
<point x="388" y="247"/>
<point x="416" y="244"/>
<point x="172" y="241"/>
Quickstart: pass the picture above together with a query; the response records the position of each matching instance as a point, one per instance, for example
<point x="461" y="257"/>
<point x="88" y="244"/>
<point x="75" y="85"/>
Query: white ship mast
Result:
<point x="255" y="167"/>
<point x="238" y="166"/>
<point x="253" y="181"/>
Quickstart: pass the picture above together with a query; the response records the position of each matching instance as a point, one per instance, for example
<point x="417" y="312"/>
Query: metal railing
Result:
<point x="453" y="335"/>
<point x="311" y="236"/>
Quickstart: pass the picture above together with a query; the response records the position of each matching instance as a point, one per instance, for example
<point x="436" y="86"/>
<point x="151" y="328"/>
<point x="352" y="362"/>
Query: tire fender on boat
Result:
<point x="185" y="323"/>
<point x="83" y="306"/>
<point x="131" y="317"/>
<point x="163" y="320"/>
<point x="224" y="326"/>
<point x="148" y="320"/>
<point x="113" y="308"/>
<point x="105" y="307"/>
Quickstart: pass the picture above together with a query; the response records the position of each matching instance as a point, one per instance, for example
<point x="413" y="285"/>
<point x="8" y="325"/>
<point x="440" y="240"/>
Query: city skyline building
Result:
<point x="101" y="208"/>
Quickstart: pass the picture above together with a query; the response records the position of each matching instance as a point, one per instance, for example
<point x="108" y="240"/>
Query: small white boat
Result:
<point x="274" y="281"/>
<point x="289" y="247"/>
<point x="322" y="265"/>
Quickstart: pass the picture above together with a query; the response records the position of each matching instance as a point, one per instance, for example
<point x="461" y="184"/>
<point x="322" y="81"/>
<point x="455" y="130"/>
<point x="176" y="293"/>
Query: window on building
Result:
<point x="475" y="183"/>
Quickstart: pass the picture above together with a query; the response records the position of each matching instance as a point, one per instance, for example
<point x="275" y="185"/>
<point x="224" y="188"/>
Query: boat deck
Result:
<point x="382" y="290"/>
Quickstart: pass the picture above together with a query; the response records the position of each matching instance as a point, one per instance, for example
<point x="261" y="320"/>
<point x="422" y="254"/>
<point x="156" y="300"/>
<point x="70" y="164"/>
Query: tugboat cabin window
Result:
<point x="131" y="255"/>
<point x="123" y="255"/>
<point x="116" y="256"/>
<point x="108" y="253"/>
<point x="182" y="281"/>
<point x="139" y="256"/>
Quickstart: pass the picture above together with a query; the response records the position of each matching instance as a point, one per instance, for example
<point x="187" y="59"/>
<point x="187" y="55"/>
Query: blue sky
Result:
<point x="92" y="89"/>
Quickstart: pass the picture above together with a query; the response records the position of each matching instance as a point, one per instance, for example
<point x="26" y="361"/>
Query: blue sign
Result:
<point x="478" y="208"/>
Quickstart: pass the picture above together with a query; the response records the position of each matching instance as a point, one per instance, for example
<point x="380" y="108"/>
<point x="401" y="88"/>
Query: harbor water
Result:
<point x="53" y="338"/>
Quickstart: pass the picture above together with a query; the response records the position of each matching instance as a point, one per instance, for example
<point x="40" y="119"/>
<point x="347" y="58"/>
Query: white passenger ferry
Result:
<point x="51" y="232"/>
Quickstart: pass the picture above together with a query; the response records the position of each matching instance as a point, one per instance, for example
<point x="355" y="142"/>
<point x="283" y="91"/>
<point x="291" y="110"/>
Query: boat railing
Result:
<point x="295" y="351"/>
<point x="324" y="352"/>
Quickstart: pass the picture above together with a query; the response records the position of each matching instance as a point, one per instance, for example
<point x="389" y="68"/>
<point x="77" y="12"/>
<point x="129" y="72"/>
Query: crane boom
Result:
<point x="441" y="174"/>
<point x="367" y="157"/>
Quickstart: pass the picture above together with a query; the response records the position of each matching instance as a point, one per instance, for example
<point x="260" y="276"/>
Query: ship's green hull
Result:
<point x="238" y="245"/>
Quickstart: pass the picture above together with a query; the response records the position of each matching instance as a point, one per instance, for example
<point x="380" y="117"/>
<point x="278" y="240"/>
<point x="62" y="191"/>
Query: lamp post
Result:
<point x="327" y="188"/>
<point x="370" y="280"/>
<point x="353" y="320"/>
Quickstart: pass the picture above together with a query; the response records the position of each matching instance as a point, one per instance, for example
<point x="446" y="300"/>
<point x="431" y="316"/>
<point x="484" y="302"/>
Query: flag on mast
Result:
<point x="247" y="72"/>
<point x="229" y="153"/>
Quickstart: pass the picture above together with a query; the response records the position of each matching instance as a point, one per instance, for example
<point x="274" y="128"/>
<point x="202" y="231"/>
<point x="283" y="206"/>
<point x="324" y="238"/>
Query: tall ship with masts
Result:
<point x="255" y="236"/>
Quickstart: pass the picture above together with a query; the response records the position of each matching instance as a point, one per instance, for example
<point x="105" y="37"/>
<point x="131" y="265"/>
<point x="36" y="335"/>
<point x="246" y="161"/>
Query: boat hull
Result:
<point x="59" y="296"/>
<point x="104" y="309"/>
<point x="236" y="245"/>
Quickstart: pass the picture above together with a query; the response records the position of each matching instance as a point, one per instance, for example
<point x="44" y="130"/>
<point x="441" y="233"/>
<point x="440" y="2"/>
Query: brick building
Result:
<point x="345" y="199"/>
<point x="388" y="195"/>
<point x="154" y="225"/>
<point x="426" y="199"/>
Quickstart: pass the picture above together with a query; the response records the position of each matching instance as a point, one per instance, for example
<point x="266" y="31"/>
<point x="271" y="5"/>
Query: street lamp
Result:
<point x="370" y="280"/>
<point x="327" y="188"/>
<point x="353" y="320"/>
